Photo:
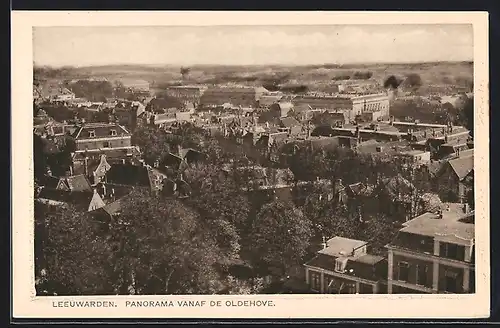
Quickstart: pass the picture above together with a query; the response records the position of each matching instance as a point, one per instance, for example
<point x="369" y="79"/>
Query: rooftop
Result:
<point x="413" y="152"/>
<point x="450" y="226"/>
<point x="340" y="246"/>
<point x="462" y="166"/>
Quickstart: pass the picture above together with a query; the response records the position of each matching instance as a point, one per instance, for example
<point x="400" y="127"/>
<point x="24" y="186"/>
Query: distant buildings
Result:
<point x="186" y="94"/>
<point x="236" y="96"/>
<point x="434" y="253"/>
<point x="135" y="84"/>
<point x="53" y="92"/>
<point x="354" y="105"/>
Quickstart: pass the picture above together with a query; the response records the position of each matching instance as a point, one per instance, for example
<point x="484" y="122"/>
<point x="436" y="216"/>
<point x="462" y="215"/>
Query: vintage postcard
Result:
<point x="250" y="165"/>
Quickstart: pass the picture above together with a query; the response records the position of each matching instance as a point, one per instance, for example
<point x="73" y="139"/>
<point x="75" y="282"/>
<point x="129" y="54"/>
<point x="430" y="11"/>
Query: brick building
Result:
<point x="218" y="96"/>
<point x="352" y="104"/>
<point x="434" y="253"/>
<point x="186" y="93"/>
<point x="344" y="266"/>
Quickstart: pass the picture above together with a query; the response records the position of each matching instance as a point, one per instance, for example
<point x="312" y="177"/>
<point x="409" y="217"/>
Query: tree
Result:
<point x="185" y="72"/>
<point x="466" y="115"/>
<point x="280" y="236"/>
<point x="165" y="247"/>
<point x="222" y="205"/>
<point x="71" y="255"/>
<point x="362" y="75"/>
<point x="378" y="230"/>
<point x="392" y="82"/>
<point x="413" y="81"/>
<point x="243" y="287"/>
<point x="153" y="143"/>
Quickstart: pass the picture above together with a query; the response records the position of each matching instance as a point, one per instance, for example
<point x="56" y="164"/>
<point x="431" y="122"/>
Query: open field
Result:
<point x="432" y="74"/>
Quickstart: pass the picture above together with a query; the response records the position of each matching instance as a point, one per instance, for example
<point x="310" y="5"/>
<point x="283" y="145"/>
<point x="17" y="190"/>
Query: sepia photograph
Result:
<point x="302" y="159"/>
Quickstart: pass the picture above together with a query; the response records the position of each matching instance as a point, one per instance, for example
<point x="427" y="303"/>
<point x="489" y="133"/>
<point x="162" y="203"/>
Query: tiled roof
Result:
<point x="127" y="174"/>
<point x="100" y="129"/>
<point x="96" y="202"/>
<point x="462" y="166"/>
<point x="79" y="183"/>
<point x="113" y="208"/>
<point x="289" y="122"/>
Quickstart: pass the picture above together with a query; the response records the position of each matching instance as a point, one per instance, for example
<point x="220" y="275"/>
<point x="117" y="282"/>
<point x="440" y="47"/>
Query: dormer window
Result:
<point x="340" y="264"/>
<point x="112" y="133"/>
<point x="92" y="134"/>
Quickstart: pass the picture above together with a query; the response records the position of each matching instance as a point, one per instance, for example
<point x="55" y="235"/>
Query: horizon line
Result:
<point x="35" y="65"/>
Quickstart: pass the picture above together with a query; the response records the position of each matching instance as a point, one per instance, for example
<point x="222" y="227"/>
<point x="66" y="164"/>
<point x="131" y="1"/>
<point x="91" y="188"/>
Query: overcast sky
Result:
<point x="249" y="45"/>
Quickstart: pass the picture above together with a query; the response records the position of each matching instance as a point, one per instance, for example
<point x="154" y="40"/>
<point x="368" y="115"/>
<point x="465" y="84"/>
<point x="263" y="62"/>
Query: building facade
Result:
<point x="434" y="253"/>
<point x="353" y="105"/>
<point x="94" y="136"/>
<point x="218" y="96"/>
<point x="186" y="94"/>
<point x="344" y="266"/>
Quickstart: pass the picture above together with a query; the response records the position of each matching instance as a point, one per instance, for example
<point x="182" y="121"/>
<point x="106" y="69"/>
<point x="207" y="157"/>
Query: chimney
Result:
<point x="466" y="208"/>
<point x="324" y="243"/>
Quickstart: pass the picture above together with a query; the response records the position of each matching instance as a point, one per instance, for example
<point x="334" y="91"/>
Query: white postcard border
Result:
<point x="26" y="305"/>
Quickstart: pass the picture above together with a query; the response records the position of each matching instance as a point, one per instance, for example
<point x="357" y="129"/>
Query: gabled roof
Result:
<point x="462" y="166"/>
<point x="96" y="202"/>
<point x="51" y="182"/>
<point x="288" y="122"/>
<point x="128" y="174"/>
<point x="103" y="166"/>
<point x="79" y="183"/>
<point x="113" y="208"/>
<point x="360" y="189"/>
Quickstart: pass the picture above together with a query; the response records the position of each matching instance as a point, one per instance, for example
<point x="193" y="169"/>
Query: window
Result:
<point x="452" y="251"/>
<point x="365" y="289"/>
<point x="340" y="264"/>
<point x="315" y="279"/>
<point x="348" y="288"/>
<point x="421" y="274"/>
<point x="105" y="144"/>
<point x="403" y="271"/>
<point x="91" y="134"/>
<point x="332" y="285"/>
<point x="451" y="281"/>
<point x="112" y="132"/>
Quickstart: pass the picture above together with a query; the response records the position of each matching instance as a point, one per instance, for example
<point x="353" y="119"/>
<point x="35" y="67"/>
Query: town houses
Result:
<point x="341" y="152"/>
